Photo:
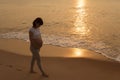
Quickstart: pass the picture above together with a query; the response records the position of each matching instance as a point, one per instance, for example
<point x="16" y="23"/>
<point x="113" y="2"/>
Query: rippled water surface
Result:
<point x="89" y="24"/>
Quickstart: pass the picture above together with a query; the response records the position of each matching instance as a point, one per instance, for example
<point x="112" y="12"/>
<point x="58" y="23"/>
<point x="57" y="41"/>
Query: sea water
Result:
<point x="88" y="24"/>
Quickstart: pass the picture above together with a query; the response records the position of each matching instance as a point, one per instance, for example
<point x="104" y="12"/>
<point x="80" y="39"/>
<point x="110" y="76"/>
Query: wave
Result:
<point x="70" y="41"/>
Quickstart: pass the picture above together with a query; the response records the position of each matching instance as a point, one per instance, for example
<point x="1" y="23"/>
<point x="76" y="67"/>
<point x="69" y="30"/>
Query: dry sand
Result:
<point x="90" y="66"/>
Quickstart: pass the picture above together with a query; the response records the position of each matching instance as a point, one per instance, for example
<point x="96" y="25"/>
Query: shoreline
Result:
<point x="16" y="67"/>
<point x="21" y="47"/>
<point x="90" y="66"/>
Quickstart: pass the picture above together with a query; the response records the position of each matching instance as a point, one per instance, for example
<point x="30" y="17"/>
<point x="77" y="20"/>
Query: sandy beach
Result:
<point x="14" y="66"/>
<point x="73" y="26"/>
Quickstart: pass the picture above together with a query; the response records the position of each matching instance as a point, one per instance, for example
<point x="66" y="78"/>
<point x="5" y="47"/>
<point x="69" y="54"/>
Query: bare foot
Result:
<point x="45" y="75"/>
<point x="18" y="69"/>
<point x="33" y="72"/>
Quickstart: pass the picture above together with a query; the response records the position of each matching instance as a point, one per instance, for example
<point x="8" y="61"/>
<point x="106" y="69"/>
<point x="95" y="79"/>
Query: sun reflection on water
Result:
<point x="80" y="3"/>
<point x="80" y="26"/>
<point x="77" y="53"/>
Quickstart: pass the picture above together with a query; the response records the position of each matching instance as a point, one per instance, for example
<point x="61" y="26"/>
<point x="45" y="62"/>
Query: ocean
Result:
<point x="87" y="24"/>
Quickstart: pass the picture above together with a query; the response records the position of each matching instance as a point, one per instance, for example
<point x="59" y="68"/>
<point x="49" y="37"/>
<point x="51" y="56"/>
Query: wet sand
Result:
<point x="90" y="66"/>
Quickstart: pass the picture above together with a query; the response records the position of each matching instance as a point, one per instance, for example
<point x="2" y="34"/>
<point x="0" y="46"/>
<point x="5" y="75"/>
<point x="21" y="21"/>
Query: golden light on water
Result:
<point x="80" y="25"/>
<point x="80" y="3"/>
<point x="77" y="53"/>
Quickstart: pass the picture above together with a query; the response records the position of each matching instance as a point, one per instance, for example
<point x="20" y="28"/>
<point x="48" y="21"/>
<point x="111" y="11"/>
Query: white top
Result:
<point x="36" y="33"/>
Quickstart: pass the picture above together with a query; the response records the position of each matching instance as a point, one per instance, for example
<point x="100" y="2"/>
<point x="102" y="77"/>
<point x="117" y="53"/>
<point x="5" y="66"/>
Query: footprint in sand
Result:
<point x="1" y="64"/>
<point x="18" y="69"/>
<point x="10" y="66"/>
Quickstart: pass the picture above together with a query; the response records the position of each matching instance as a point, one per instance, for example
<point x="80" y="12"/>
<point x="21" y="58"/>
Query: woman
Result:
<point x="35" y="44"/>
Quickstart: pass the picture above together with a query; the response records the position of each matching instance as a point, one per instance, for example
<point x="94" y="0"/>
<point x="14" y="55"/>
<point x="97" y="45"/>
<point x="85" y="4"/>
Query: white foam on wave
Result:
<point x="15" y="35"/>
<point x="73" y="42"/>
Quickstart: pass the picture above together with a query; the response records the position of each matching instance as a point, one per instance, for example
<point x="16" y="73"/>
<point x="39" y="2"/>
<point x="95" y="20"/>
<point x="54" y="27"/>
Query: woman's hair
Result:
<point x="37" y="20"/>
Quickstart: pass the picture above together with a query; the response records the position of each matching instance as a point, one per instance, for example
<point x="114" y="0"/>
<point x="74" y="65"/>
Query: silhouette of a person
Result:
<point x="35" y="45"/>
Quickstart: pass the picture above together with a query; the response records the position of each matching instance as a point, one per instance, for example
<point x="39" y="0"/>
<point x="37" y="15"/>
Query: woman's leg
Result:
<point x="32" y="64"/>
<point x="39" y="65"/>
<point x="39" y="62"/>
<point x="36" y="57"/>
<point x="33" y="59"/>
